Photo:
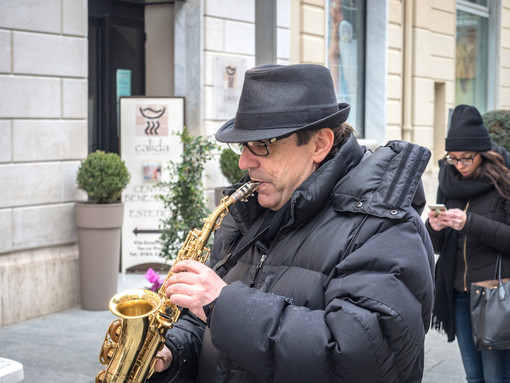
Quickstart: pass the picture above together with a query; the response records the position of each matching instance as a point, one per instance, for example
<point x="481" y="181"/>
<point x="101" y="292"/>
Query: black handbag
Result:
<point x="490" y="312"/>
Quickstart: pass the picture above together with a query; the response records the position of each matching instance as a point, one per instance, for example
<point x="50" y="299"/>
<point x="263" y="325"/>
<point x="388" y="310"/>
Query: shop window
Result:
<point x="472" y="70"/>
<point x="346" y="23"/>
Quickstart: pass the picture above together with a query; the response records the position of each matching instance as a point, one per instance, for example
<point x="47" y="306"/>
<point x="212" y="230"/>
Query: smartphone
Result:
<point x="437" y="208"/>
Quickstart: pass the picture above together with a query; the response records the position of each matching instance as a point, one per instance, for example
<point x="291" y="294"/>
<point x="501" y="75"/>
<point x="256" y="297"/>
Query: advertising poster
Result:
<point x="147" y="144"/>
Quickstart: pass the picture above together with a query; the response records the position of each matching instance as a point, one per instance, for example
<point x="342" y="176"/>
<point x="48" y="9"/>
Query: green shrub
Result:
<point x="229" y="166"/>
<point x="184" y="200"/>
<point x="103" y="176"/>
<point x="498" y="123"/>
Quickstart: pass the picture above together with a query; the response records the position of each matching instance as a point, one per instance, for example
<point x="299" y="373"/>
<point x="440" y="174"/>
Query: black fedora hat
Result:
<point x="277" y="100"/>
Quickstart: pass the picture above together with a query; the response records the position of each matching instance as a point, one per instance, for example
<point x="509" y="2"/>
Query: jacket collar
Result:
<point x="385" y="182"/>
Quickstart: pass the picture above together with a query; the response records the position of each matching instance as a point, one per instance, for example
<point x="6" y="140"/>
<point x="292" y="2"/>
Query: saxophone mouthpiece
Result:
<point x="245" y="191"/>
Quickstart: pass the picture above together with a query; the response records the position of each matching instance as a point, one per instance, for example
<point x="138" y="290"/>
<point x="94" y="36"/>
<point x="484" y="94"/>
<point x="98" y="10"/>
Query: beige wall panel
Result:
<point x="43" y="226"/>
<point x="214" y="37"/>
<point x="505" y="98"/>
<point x="313" y="50"/>
<point x="450" y="93"/>
<point x="393" y="132"/>
<point x="244" y="10"/>
<point x="422" y="54"/>
<point x="394" y="62"/>
<point x="394" y="87"/>
<point x="423" y="99"/>
<point x="313" y="20"/>
<point x="395" y="36"/>
<point x="5" y="52"/>
<point x="505" y="37"/>
<point x="30" y="97"/>
<point x="239" y="37"/>
<point x="74" y="14"/>
<point x="38" y="15"/>
<point x="283" y="44"/>
<point x="283" y="13"/>
<point x="442" y="68"/>
<point x="505" y="16"/>
<point x="505" y="58"/>
<point x="443" y="5"/>
<point x="505" y="77"/>
<point x="54" y="55"/>
<point x="422" y="14"/>
<point x="424" y="136"/>
<point x="38" y="140"/>
<point x="5" y="141"/>
<point x="70" y="192"/>
<point x="53" y="284"/>
<point x="5" y="232"/>
<point x="75" y="98"/>
<point x="319" y="3"/>
<point x="441" y="22"/>
<point x="442" y="45"/>
<point x="394" y="110"/>
<point x="30" y="184"/>
<point x="395" y="11"/>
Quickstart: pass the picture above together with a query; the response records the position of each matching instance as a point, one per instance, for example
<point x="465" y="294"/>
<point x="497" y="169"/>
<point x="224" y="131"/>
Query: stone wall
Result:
<point x="43" y="136"/>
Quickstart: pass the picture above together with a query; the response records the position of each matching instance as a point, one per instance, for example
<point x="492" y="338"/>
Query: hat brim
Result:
<point x="229" y="133"/>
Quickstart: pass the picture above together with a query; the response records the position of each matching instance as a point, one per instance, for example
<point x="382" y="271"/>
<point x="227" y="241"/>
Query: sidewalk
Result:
<point x="64" y="347"/>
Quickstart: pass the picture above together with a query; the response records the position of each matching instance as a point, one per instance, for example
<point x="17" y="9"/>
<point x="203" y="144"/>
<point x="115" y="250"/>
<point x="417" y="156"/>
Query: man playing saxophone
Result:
<point x="326" y="275"/>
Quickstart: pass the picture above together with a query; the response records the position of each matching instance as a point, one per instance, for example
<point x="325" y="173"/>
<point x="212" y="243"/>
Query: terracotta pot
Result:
<point x="99" y="230"/>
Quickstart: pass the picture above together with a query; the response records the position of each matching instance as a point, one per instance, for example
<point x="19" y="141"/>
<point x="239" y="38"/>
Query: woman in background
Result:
<point x="474" y="184"/>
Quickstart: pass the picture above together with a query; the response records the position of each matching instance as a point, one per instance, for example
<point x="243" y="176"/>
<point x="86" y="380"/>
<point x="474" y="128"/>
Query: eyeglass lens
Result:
<point x="463" y="161"/>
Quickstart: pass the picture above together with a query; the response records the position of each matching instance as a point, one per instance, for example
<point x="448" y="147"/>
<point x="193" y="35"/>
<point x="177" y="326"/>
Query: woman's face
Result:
<point x="466" y="170"/>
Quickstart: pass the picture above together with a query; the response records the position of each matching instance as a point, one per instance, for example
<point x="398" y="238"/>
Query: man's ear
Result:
<point x="323" y="139"/>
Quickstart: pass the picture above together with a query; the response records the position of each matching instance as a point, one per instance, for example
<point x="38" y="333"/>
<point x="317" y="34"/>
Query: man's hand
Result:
<point x="192" y="286"/>
<point x="164" y="359"/>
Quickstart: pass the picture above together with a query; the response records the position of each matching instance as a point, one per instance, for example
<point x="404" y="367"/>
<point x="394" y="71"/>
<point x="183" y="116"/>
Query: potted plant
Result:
<point x="102" y="176"/>
<point x="183" y="197"/>
<point x="229" y="166"/>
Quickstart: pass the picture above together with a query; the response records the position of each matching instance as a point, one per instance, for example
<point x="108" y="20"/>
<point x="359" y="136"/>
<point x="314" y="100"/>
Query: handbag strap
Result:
<point x="501" y="288"/>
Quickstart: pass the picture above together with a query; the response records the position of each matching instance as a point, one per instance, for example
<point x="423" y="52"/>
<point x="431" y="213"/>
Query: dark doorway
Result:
<point x="116" y="66"/>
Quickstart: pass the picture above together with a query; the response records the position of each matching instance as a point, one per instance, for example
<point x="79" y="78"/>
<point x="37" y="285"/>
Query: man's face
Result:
<point x="281" y="172"/>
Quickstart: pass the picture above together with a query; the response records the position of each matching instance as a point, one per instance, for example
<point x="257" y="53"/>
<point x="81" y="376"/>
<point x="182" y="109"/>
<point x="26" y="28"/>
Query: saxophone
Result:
<point x="131" y="343"/>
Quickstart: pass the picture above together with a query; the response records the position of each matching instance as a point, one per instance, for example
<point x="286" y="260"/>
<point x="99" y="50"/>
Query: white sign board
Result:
<point x="147" y="143"/>
<point x="228" y="75"/>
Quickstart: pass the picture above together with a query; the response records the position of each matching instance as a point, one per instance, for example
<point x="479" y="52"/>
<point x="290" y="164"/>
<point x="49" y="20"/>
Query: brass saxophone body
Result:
<point x="131" y="343"/>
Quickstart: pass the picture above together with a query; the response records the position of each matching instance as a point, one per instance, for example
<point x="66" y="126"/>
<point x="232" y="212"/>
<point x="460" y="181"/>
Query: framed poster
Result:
<point x="147" y="144"/>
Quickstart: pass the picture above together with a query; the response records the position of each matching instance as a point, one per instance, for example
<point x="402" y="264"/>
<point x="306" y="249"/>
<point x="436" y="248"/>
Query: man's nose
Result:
<point x="247" y="160"/>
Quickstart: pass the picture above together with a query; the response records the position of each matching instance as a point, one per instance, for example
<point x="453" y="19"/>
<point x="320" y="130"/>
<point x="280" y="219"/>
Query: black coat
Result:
<point x="311" y="316"/>
<point x="486" y="233"/>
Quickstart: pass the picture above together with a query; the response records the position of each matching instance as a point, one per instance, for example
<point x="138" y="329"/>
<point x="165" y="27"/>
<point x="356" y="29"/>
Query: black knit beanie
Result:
<point x="467" y="131"/>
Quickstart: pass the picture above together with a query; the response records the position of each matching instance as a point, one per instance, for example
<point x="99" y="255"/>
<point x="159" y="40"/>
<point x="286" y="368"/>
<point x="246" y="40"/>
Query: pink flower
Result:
<point x="154" y="278"/>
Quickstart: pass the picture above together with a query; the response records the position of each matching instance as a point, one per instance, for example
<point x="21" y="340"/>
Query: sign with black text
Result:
<point x="147" y="143"/>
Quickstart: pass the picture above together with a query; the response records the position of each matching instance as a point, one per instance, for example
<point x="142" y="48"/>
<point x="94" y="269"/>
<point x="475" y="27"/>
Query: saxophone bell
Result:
<point x="132" y="341"/>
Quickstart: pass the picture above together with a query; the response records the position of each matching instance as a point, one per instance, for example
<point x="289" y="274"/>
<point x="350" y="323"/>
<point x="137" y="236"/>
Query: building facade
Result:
<point x="402" y="64"/>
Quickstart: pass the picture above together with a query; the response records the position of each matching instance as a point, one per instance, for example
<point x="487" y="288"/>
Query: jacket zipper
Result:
<point x="257" y="270"/>
<point x="465" y="255"/>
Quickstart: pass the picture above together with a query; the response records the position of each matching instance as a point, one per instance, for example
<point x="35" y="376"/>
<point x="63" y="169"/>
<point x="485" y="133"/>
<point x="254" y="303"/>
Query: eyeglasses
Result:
<point x="464" y="161"/>
<point x="258" y="148"/>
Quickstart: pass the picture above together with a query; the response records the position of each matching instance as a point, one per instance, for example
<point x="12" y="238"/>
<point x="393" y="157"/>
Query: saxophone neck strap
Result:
<point x="259" y="227"/>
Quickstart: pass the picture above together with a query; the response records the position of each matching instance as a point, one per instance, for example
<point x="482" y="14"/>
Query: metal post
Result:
<point x="265" y="32"/>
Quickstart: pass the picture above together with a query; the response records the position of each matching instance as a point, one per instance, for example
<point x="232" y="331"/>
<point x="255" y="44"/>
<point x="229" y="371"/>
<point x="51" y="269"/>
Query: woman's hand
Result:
<point x="454" y="218"/>
<point x="457" y="218"/>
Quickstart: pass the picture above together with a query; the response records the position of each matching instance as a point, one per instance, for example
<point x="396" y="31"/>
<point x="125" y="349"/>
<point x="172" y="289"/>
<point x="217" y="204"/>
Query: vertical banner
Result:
<point x="147" y="144"/>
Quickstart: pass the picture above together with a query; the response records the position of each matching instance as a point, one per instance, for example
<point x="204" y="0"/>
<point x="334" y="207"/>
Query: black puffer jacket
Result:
<point x="485" y="234"/>
<point x="311" y="316"/>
